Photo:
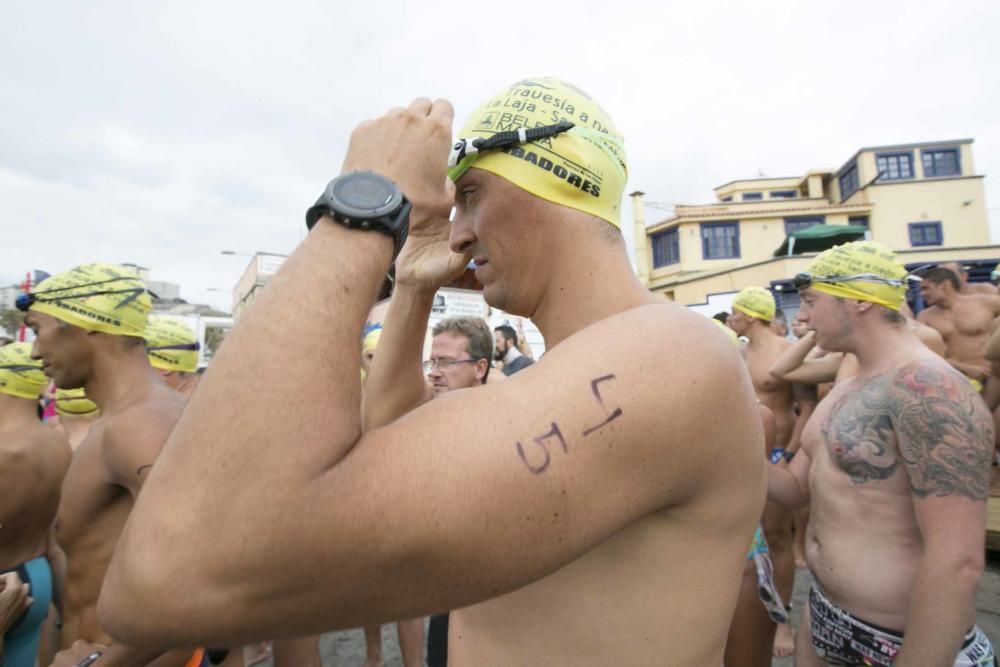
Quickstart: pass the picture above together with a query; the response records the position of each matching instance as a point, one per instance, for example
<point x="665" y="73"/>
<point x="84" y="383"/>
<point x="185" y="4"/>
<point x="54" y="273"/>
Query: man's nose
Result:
<point x="462" y="236"/>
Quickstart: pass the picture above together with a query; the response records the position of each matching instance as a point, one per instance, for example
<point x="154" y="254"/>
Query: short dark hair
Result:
<point x="508" y="333"/>
<point x="722" y="316"/>
<point x="937" y="275"/>
<point x="779" y="315"/>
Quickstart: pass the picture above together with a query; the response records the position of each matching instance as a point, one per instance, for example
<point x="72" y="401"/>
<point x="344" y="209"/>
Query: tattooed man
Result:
<point x="592" y="509"/>
<point x="896" y="461"/>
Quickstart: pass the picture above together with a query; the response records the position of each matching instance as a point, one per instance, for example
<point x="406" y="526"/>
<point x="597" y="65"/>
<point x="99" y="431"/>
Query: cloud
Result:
<point x="163" y="132"/>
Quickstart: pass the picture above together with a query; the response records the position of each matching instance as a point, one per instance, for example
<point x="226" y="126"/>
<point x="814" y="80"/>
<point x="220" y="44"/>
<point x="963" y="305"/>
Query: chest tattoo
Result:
<point x="858" y="433"/>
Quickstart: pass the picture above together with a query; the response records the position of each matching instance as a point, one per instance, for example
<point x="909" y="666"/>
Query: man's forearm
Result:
<point x="793" y="357"/>
<point x="396" y="382"/>
<point x="939" y="614"/>
<point x="303" y="331"/>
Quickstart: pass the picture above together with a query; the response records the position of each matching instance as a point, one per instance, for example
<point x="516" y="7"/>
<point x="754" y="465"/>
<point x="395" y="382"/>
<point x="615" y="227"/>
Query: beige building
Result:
<point x="923" y="200"/>
<point x="262" y="267"/>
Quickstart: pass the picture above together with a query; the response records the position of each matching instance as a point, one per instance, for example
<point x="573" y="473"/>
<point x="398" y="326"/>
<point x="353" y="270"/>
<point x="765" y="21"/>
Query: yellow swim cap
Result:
<point x="74" y="403"/>
<point x="95" y="297"/>
<point x="584" y="168"/>
<point x="886" y="285"/>
<point x="755" y="302"/>
<point x="20" y="375"/>
<point x="171" y="344"/>
<point x="733" y="338"/>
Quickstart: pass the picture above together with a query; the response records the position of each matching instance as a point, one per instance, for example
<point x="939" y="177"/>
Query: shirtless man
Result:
<point x="753" y="311"/>
<point x="965" y="287"/>
<point x="896" y="462"/>
<point x="89" y="323"/>
<point x="590" y="510"/>
<point x="33" y="461"/>
<point x="965" y="321"/>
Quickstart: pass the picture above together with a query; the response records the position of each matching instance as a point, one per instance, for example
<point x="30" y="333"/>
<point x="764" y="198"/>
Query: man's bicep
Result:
<point x="494" y="487"/>
<point x="944" y="433"/>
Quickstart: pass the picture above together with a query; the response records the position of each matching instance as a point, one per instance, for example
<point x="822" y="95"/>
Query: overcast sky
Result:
<point x="160" y="133"/>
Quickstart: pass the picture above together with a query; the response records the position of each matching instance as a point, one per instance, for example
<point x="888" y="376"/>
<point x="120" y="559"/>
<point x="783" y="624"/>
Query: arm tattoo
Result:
<point x="945" y="433"/>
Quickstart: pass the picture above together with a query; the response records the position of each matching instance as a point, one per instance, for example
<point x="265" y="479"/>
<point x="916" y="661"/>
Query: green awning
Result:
<point x="819" y="237"/>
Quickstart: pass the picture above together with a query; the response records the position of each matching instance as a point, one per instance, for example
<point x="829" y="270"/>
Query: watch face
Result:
<point x="365" y="195"/>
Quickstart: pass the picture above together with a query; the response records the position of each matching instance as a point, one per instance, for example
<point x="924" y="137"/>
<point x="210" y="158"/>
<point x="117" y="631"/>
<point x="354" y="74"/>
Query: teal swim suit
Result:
<point x="20" y="643"/>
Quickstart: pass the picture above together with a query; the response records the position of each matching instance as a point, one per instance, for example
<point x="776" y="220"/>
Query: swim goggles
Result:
<point x="465" y="151"/>
<point x="179" y="346"/>
<point x="25" y="301"/>
<point x="804" y="280"/>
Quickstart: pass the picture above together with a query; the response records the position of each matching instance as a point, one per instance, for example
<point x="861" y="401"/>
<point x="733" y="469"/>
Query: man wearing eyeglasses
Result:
<point x="592" y="510"/>
<point x="895" y="464"/>
<point x="461" y="349"/>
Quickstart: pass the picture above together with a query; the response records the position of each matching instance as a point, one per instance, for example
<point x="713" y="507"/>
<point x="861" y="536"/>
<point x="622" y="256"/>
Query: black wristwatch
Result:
<point x="364" y="200"/>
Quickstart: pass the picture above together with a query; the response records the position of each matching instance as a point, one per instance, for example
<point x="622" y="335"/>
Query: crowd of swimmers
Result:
<point x="639" y="495"/>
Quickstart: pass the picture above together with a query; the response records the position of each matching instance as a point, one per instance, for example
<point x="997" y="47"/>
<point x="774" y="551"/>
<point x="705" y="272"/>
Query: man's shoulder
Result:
<point x="40" y="445"/>
<point x="979" y="298"/>
<point x="930" y="312"/>
<point x="154" y="416"/>
<point x="927" y="377"/>
<point x="675" y="350"/>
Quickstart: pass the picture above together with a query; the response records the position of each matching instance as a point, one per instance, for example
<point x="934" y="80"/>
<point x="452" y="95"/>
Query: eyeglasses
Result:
<point x="444" y="364"/>
<point x="802" y="281"/>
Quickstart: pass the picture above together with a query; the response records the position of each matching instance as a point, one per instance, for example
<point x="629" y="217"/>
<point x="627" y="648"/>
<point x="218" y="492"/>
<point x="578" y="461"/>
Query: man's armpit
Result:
<point x="945" y="433"/>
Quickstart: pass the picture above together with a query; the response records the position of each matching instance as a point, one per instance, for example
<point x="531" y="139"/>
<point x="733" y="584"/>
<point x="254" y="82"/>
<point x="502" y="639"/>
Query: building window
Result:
<point x="941" y="162"/>
<point x="783" y="194"/>
<point x="858" y="220"/>
<point x="729" y="198"/>
<point x="925" y="233"/>
<point x="849" y="181"/>
<point x="720" y="240"/>
<point x="894" y="166"/>
<point x="666" y="248"/>
<point x="802" y="222"/>
<point x="752" y="196"/>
